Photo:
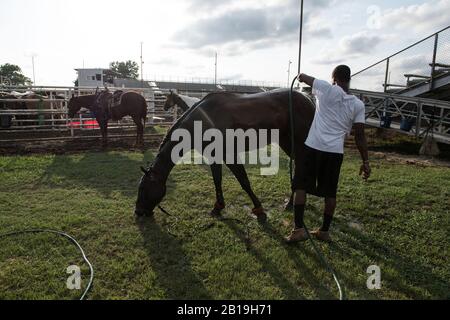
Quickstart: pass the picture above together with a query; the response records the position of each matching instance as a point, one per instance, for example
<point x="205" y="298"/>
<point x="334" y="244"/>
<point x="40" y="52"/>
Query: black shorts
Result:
<point x="318" y="172"/>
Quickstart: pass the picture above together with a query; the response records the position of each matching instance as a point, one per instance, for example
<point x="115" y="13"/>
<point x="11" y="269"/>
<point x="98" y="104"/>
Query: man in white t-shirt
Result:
<point x="337" y="112"/>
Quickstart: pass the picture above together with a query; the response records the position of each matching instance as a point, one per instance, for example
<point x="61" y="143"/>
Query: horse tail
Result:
<point x="144" y="111"/>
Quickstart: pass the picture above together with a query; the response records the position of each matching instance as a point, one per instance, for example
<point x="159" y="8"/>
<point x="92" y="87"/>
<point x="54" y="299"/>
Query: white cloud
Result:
<point x="263" y="25"/>
<point x="350" y="47"/>
<point x="426" y="17"/>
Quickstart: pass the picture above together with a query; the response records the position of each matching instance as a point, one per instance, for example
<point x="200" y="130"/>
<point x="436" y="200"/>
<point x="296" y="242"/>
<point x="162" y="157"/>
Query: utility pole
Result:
<point x="142" y="65"/>
<point x="34" y="75"/>
<point x="289" y="74"/>
<point x="215" y="71"/>
<point x="301" y="38"/>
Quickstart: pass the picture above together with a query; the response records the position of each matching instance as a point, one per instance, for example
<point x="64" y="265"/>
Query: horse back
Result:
<point x="269" y="110"/>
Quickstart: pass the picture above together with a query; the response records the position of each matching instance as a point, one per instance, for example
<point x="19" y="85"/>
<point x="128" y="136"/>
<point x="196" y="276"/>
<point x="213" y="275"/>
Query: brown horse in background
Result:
<point x="113" y="106"/>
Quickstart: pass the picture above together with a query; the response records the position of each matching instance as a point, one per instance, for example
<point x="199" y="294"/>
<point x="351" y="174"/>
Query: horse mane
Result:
<point x="177" y="123"/>
<point x="190" y="101"/>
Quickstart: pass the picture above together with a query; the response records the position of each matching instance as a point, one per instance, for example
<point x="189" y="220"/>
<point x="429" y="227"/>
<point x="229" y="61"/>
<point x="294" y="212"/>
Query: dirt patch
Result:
<point x="421" y="161"/>
<point x="78" y="145"/>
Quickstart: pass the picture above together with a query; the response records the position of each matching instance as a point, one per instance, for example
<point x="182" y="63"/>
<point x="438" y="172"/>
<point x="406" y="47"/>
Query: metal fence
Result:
<point x="225" y="82"/>
<point x="48" y="111"/>
<point x="417" y="116"/>
<point x="422" y="63"/>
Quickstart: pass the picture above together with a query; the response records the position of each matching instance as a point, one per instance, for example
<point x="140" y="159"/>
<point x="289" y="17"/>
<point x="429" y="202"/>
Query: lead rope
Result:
<point x="291" y="173"/>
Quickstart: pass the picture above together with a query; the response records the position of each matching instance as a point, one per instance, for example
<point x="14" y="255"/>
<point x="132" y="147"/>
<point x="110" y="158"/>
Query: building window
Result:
<point x="99" y="77"/>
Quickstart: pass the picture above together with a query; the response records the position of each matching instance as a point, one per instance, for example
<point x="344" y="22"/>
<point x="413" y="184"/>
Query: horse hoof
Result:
<point x="216" y="213"/>
<point x="260" y="214"/>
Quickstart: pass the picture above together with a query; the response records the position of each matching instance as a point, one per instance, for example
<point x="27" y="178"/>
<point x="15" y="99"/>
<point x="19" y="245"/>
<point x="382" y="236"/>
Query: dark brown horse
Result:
<point x="224" y="111"/>
<point x="113" y="106"/>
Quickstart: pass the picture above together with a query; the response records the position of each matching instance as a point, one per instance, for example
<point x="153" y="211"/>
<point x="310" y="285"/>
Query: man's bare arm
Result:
<point x="361" y="143"/>
<point x="306" y="79"/>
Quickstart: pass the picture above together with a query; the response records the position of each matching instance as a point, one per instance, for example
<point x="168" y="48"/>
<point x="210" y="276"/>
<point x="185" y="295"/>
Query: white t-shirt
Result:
<point x="336" y="112"/>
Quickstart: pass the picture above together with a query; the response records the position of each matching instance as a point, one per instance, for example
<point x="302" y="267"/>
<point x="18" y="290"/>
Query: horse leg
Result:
<point x="140" y="132"/>
<point x="216" y="170"/>
<point x="241" y="175"/>
<point x="104" y="130"/>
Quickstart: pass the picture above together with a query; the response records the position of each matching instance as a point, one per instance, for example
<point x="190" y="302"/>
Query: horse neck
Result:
<point x="86" y="101"/>
<point x="163" y="163"/>
<point x="182" y="104"/>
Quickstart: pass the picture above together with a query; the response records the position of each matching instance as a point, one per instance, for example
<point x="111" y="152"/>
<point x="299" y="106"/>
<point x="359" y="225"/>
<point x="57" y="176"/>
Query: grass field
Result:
<point x="399" y="221"/>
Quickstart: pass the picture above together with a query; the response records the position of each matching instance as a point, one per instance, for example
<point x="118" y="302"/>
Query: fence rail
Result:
<point x="50" y="112"/>
<point x="415" y="115"/>
<point x="424" y="63"/>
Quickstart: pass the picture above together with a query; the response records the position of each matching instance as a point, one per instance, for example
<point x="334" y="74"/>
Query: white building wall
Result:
<point x="90" y="77"/>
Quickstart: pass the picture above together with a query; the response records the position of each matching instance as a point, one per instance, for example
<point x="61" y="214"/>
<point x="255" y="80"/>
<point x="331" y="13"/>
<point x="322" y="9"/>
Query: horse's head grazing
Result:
<point x="74" y="106"/>
<point x="170" y="101"/>
<point x="152" y="190"/>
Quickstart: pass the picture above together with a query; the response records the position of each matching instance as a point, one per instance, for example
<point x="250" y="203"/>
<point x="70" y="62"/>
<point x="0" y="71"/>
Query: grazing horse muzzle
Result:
<point x="140" y="212"/>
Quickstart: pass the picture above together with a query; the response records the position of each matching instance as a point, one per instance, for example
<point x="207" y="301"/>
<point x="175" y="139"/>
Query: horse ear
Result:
<point x="144" y="170"/>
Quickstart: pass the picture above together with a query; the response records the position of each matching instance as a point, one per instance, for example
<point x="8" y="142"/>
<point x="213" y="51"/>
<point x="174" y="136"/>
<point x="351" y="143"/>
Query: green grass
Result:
<point x="398" y="221"/>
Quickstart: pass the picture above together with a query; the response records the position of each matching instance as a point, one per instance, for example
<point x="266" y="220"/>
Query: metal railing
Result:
<point x="49" y="112"/>
<point x="211" y="81"/>
<point x="417" y="116"/>
<point x="423" y="63"/>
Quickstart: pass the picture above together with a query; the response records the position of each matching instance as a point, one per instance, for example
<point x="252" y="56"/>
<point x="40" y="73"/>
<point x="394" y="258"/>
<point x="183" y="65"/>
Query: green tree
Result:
<point x="14" y="74"/>
<point x="128" y="69"/>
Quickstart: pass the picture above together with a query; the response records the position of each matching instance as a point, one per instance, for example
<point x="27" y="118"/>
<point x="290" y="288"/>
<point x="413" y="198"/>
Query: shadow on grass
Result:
<point x="168" y="260"/>
<point x="104" y="172"/>
<point x="400" y="273"/>
<point x="290" y="290"/>
<point x="406" y="273"/>
<point x="293" y="251"/>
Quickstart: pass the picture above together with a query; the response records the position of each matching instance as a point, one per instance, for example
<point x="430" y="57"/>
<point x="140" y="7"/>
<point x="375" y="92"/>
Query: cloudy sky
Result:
<point x="255" y="39"/>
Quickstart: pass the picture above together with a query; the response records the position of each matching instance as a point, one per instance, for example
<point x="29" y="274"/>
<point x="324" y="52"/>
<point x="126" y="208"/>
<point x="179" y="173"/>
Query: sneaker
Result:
<point x="321" y="235"/>
<point x="297" y="235"/>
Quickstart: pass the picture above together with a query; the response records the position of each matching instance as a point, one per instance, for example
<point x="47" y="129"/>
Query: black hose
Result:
<point x="65" y="235"/>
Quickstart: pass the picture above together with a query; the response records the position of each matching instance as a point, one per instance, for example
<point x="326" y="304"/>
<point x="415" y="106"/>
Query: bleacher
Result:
<point x="409" y="91"/>
<point x="196" y="88"/>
